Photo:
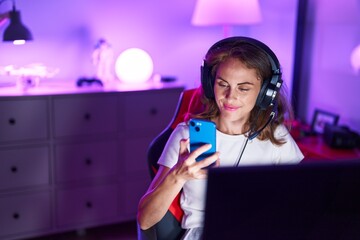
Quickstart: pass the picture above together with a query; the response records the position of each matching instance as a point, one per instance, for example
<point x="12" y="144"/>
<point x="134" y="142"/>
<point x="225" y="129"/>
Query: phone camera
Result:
<point x="197" y="129"/>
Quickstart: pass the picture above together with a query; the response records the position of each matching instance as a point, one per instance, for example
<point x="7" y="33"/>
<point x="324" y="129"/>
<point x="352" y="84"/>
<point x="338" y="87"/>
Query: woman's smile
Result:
<point x="230" y="108"/>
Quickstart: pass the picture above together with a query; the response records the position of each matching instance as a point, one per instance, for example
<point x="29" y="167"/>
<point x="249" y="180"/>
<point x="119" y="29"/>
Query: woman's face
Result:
<point x="236" y="88"/>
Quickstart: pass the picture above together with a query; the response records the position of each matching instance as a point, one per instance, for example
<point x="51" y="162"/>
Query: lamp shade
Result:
<point x="226" y="12"/>
<point x="16" y="30"/>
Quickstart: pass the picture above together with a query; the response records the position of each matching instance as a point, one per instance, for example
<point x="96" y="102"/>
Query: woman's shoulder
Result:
<point x="281" y="131"/>
<point x="182" y="128"/>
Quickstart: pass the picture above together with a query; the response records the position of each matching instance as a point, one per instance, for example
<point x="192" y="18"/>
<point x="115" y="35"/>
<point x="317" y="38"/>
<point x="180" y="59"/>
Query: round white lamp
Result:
<point x="134" y="65"/>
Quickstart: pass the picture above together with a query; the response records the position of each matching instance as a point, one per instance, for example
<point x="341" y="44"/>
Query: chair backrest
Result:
<point x="189" y="102"/>
<point x="169" y="227"/>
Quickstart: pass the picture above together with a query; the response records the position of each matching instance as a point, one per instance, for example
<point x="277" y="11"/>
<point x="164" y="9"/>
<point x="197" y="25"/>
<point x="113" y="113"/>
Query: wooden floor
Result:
<point x="123" y="231"/>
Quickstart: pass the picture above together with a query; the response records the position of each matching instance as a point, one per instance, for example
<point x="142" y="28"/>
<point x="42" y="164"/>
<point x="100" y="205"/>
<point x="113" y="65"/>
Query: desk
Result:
<point x="314" y="148"/>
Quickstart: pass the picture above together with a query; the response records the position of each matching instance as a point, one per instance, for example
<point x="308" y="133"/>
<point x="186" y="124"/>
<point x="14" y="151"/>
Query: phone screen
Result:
<point x="202" y="132"/>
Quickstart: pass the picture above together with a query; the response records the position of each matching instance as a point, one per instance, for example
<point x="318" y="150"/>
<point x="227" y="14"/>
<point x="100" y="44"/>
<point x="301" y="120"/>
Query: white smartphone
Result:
<point x="202" y="132"/>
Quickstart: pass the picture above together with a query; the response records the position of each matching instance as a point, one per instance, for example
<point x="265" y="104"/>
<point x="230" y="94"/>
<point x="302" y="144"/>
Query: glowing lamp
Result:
<point x="226" y="13"/>
<point x="134" y="65"/>
<point x="355" y="59"/>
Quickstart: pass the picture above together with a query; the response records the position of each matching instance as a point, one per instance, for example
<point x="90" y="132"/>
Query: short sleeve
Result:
<point x="170" y="154"/>
<point x="288" y="152"/>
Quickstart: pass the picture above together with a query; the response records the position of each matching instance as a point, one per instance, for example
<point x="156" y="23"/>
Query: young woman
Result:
<point x="241" y="92"/>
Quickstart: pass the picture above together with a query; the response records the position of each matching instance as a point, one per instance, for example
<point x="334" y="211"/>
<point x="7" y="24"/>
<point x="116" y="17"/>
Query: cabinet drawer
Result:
<point x="24" y="167"/>
<point x="84" y="115"/>
<point x="85" y="161"/>
<point x="20" y="214"/>
<point x="23" y="120"/>
<point x="86" y="205"/>
<point x="135" y="155"/>
<point x="149" y="111"/>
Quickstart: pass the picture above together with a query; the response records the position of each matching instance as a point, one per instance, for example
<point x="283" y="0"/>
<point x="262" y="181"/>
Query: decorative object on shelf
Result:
<point x="30" y="75"/>
<point x="16" y="32"/>
<point x="81" y="82"/>
<point x="321" y="118"/>
<point x="226" y="13"/>
<point x="103" y="59"/>
<point x="134" y="65"/>
<point x="340" y="137"/>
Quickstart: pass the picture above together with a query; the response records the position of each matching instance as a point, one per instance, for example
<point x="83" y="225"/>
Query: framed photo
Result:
<point x="321" y="118"/>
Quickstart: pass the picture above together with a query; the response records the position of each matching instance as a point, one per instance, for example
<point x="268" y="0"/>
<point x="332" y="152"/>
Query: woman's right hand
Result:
<point x="187" y="168"/>
<point x="168" y="182"/>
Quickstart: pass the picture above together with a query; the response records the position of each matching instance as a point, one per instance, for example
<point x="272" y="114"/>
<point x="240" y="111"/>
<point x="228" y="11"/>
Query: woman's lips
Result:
<point x="230" y="108"/>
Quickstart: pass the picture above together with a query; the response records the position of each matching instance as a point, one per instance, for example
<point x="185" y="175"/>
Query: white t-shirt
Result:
<point x="229" y="146"/>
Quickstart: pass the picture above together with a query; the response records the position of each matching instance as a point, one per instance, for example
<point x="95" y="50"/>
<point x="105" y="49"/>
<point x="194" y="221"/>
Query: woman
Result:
<point x="240" y="90"/>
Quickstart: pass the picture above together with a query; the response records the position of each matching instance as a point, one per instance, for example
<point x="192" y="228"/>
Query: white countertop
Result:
<point x="54" y="88"/>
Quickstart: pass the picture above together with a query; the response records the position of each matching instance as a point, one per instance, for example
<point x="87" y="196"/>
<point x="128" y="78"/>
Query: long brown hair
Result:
<point x="254" y="58"/>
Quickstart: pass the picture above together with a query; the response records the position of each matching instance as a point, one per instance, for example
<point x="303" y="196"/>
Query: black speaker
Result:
<point x="270" y="87"/>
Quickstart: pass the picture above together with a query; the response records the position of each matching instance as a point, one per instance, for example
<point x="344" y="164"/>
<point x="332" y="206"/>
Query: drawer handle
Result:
<point x="16" y="215"/>
<point x="153" y="111"/>
<point x="88" y="161"/>
<point x="87" y="116"/>
<point x="89" y="204"/>
<point x="12" y="121"/>
<point x="14" y="169"/>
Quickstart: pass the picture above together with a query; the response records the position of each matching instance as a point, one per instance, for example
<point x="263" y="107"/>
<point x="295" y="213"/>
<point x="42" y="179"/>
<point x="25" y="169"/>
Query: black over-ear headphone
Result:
<point x="270" y="87"/>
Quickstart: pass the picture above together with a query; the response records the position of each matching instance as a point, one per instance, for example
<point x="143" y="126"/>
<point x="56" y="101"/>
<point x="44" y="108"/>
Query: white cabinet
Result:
<point x="84" y="161"/>
<point x="24" y="167"/>
<point x="24" y="213"/>
<point x="75" y="160"/>
<point x="87" y="205"/>
<point x="15" y="120"/>
<point x="84" y="115"/>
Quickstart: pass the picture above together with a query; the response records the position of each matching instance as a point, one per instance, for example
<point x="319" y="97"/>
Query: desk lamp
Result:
<point x="16" y="32"/>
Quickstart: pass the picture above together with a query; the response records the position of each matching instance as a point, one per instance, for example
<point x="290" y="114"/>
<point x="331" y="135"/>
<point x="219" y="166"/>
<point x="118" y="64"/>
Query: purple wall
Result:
<point x="334" y="85"/>
<point x="66" y="31"/>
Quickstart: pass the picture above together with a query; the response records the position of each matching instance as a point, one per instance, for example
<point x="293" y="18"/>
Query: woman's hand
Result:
<point x="169" y="182"/>
<point x="187" y="167"/>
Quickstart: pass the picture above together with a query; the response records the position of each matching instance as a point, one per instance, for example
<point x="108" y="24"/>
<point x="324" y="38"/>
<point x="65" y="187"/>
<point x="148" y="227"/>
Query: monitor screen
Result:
<point x="304" y="201"/>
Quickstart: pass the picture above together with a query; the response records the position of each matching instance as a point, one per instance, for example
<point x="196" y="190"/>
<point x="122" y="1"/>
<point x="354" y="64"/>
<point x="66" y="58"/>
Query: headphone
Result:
<point x="270" y="86"/>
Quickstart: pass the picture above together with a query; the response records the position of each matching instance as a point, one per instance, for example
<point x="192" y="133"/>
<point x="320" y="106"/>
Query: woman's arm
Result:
<point x="158" y="198"/>
<point x="168" y="182"/>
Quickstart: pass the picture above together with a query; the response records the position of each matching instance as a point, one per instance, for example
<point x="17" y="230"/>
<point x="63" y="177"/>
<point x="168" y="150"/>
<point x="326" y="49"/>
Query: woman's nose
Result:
<point x="231" y="93"/>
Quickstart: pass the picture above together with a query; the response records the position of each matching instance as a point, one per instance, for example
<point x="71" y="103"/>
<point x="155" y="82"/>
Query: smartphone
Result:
<point x="202" y="132"/>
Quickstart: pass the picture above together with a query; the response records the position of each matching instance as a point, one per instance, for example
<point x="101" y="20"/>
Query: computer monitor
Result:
<point x="308" y="201"/>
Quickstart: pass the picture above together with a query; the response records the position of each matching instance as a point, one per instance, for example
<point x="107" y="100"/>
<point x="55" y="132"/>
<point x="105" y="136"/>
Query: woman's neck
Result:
<point x="230" y="127"/>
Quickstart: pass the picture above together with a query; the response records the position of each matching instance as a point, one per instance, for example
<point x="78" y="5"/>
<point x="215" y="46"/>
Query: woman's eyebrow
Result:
<point x="242" y="83"/>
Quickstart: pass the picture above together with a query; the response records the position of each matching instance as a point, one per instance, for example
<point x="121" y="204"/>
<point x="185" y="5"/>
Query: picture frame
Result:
<point x="321" y="118"/>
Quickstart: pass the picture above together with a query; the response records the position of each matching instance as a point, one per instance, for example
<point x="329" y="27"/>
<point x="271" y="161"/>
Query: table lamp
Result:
<point x="226" y="13"/>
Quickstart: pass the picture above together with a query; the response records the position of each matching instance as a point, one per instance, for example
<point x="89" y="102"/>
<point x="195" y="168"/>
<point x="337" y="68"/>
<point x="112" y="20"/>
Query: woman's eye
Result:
<point x="222" y="84"/>
<point x="244" y="89"/>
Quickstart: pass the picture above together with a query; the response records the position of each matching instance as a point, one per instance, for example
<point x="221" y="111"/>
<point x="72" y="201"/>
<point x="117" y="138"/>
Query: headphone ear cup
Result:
<point x="207" y="81"/>
<point x="261" y="100"/>
<point x="268" y="92"/>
